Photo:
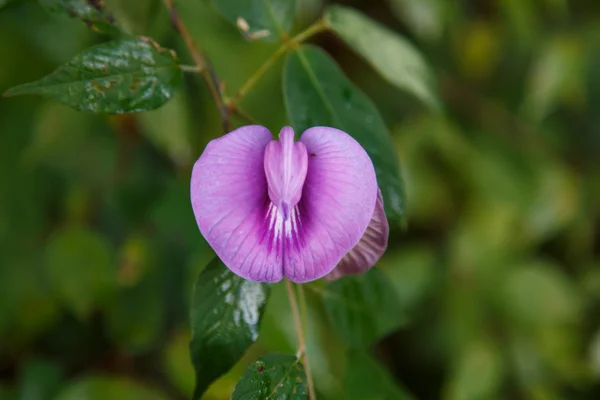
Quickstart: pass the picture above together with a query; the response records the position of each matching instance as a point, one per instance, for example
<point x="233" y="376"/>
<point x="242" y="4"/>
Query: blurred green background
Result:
<point x="498" y="270"/>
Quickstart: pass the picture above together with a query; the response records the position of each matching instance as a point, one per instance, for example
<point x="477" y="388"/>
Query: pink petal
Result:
<point x="369" y="249"/>
<point x="286" y="163"/>
<point x="230" y="201"/>
<point x="337" y="204"/>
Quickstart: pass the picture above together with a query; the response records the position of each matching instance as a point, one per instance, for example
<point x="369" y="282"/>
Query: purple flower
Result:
<point x="301" y="210"/>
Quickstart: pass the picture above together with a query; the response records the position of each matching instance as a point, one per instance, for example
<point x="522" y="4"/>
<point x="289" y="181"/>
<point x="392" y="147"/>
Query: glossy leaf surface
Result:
<point x="225" y="316"/>
<point x="128" y="75"/>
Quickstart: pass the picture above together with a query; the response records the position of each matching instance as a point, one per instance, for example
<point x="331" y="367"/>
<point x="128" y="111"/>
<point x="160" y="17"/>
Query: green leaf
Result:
<point x="317" y="93"/>
<point x="265" y="19"/>
<point x="91" y="12"/>
<point x="104" y="387"/>
<point x="366" y="379"/>
<point x="39" y="380"/>
<point x="128" y="75"/>
<point x="81" y="270"/>
<point x="225" y="317"/>
<point x="362" y="308"/>
<point x="396" y="59"/>
<point x="273" y="377"/>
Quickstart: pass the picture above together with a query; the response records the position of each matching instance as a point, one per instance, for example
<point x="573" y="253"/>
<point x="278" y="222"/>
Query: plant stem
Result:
<point x="300" y="336"/>
<point x="201" y="62"/>
<point x="304" y="320"/>
<point x="315" y="28"/>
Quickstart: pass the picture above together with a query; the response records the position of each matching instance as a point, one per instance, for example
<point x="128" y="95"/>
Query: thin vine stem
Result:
<point x="304" y="321"/>
<point x="203" y="65"/>
<point x="315" y="28"/>
<point x="300" y="336"/>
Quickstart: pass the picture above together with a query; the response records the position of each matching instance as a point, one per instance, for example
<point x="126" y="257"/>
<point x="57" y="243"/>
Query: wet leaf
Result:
<point x="81" y="270"/>
<point x="262" y="19"/>
<point x="366" y="379"/>
<point x="128" y="75"/>
<point x="395" y="58"/>
<point x="362" y="308"/>
<point x="93" y="13"/>
<point x="317" y="93"/>
<point x="104" y="387"/>
<point x="225" y="317"/>
<point x="273" y="377"/>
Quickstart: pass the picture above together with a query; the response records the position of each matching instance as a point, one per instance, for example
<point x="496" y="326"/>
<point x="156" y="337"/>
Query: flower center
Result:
<point x="286" y="164"/>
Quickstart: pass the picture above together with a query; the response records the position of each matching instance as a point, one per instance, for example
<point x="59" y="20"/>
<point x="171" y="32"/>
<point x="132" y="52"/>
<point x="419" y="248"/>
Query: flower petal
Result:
<point x="230" y="202"/>
<point x="286" y="163"/>
<point x="337" y="204"/>
<point x="369" y="249"/>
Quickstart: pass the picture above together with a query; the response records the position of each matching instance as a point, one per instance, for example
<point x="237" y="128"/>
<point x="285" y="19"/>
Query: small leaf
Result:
<point x="225" y="318"/>
<point x="104" y="387"/>
<point x="91" y="12"/>
<point x="80" y="269"/>
<point x="366" y="379"/>
<point x="396" y="59"/>
<point x="259" y="19"/>
<point x="362" y="308"/>
<point x="273" y="377"/>
<point x="317" y="93"/>
<point x="128" y="75"/>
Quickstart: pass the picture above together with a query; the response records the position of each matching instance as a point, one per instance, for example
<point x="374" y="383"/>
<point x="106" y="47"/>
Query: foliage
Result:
<point x="479" y="118"/>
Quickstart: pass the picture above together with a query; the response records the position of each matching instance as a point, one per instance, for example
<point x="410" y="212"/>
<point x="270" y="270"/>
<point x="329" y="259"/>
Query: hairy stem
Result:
<point x="315" y="28"/>
<point x="202" y="63"/>
<point x="300" y="337"/>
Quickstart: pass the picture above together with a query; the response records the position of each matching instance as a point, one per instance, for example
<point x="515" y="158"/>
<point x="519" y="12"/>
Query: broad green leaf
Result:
<point x="273" y="377"/>
<point x="105" y="387"/>
<point x="81" y="270"/>
<point x="396" y="59"/>
<point x="362" y="308"/>
<point x="263" y="19"/>
<point x="366" y="379"/>
<point x="128" y="75"/>
<point x="317" y="93"/>
<point x="93" y="13"/>
<point x="225" y="316"/>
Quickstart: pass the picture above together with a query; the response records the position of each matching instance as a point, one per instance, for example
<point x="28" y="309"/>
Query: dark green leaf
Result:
<point x="81" y="270"/>
<point x="366" y="379"/>
<point x="39" y="380"/>
<point x="362" y="308"/>
<point x="317" y="93"/>
<point x="396" y="59"/>
<point x="104" y="388"/>
<point x="273" y="377"/>
<point x="91" y="12"/>
<point x="127" y="75"/>
<point x="225" y="317"/>
<point x="265" y="19"/>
